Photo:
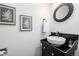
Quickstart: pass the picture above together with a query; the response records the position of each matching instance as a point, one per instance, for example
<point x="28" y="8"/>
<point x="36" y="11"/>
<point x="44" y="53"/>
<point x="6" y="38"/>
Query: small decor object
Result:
<point x="25" y="23"/>
<point x="7" y="14"/>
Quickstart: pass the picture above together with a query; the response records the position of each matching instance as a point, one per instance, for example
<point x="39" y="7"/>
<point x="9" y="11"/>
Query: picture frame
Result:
<point x="7" y="15"/>
<point x="25" y="23"/>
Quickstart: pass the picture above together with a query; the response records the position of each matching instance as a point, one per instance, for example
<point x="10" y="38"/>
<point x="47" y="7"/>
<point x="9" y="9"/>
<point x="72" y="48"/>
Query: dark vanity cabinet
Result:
<point x="49" y="49"/>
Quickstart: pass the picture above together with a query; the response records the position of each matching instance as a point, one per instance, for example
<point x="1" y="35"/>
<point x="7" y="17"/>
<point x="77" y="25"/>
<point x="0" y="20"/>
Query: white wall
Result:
<point x="28" y="42"/>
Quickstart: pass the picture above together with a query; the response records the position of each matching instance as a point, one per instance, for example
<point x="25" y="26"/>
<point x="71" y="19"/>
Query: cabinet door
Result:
<point x="45" y="52"/>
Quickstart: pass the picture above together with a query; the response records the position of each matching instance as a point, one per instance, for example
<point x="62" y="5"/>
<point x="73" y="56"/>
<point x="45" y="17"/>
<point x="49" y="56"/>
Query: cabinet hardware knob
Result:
<point x="44" y="47"/>
<point x="52" y="54"/>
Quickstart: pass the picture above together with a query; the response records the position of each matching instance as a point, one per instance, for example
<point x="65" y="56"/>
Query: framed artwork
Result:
<point x="7" y="15"/>
<point x="25" y="23"/>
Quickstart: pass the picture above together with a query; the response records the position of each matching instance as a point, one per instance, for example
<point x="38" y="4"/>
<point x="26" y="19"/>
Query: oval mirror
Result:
<point x="63" y="12"/>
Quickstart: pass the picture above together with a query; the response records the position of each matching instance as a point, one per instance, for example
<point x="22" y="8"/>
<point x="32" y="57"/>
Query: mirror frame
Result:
<point x="71" y="8"/>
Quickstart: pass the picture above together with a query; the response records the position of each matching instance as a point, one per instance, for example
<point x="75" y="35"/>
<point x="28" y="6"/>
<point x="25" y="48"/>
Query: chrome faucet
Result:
<point x="57" y="33"/>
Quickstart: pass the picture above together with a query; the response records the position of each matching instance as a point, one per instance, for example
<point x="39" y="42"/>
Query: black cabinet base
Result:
<point x="50" y="50"/>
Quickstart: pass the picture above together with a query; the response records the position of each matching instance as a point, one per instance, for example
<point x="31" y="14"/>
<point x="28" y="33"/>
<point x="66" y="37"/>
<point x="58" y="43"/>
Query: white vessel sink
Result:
<point x="57" y="41"/>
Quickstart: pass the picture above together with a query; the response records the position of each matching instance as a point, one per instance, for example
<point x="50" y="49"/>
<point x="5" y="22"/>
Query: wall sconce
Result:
<point x="44" y="25"/>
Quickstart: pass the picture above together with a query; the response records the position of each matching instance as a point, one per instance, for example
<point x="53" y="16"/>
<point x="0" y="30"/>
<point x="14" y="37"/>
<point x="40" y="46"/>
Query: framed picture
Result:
<point x="7" y="15"/>
<point x="25" y="23"/>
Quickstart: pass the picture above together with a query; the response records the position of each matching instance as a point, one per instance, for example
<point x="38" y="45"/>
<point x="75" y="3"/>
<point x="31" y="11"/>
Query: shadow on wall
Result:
<point x="38" y="51"/>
